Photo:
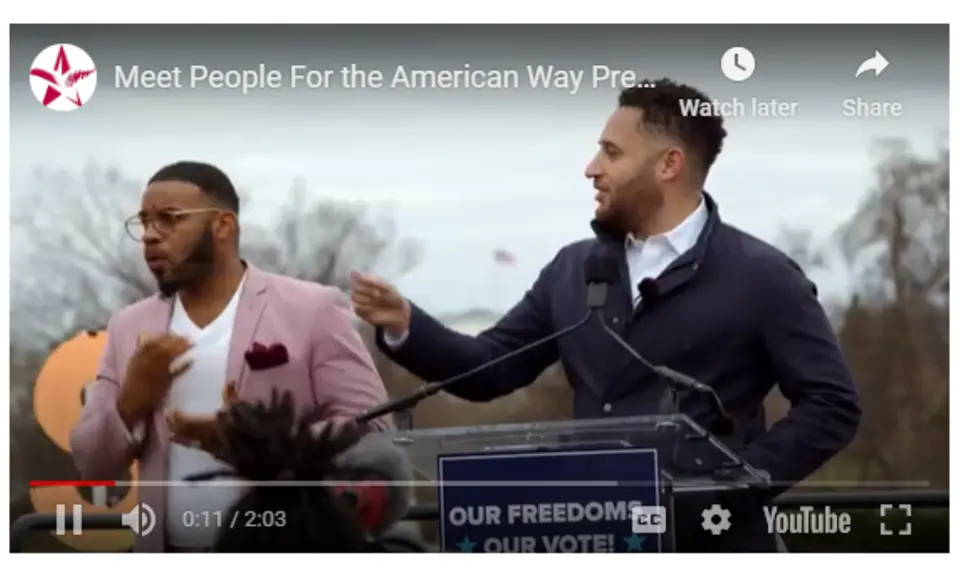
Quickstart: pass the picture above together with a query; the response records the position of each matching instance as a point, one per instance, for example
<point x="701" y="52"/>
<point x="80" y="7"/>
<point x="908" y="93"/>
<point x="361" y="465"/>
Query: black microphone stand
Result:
<point x="677" y="383"/>
<point x="669" y="399"/>
<point x="404" y="420"/>
<point x="408" y="402"/>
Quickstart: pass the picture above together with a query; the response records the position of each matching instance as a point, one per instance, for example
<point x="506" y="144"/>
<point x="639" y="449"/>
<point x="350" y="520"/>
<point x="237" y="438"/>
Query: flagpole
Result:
<point x="501" y="259"/>
<point x="495" y="288"/>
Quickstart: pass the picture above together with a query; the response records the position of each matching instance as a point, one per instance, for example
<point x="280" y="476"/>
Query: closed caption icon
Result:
<point x="648" y="519"/>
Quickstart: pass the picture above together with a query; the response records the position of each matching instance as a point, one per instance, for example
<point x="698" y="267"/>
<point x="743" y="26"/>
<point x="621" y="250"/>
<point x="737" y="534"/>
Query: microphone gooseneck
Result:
<point x="427" y="390"/>
<point x="605" y="270"/>
<point x="723" y="423"/>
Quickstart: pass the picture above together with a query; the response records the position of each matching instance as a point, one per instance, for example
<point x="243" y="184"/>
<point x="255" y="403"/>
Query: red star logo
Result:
<point x="61" y="80"/>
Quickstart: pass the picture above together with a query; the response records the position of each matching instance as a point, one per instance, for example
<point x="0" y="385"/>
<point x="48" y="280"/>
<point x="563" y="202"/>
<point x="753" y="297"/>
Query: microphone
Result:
<point x="649" y="290"/>
<point x="723" y="423"/>
<point x="378" y="481"/>
<point x="600" y="272"/>
<point x="598" y="275"/>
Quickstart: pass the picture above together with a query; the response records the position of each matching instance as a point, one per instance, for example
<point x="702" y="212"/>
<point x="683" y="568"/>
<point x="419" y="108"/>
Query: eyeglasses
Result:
<point x="163" y="222"/>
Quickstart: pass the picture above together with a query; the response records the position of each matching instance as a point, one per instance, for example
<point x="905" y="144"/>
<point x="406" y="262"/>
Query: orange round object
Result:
<point x="56" y="394"/>
<point x="57" y="404"/>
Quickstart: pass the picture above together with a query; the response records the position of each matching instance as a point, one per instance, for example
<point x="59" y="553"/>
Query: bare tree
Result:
<point x="800" y="245"/>
<point x="323" y="241"/>
<point x="898" y="240"/>
<point x="894" y="328"/>
<point x="73" y="264"/>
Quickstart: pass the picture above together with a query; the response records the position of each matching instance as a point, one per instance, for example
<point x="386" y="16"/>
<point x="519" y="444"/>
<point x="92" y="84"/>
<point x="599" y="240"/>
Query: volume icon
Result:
<point x="141" y="519"/>
<point x="62" y="519"/>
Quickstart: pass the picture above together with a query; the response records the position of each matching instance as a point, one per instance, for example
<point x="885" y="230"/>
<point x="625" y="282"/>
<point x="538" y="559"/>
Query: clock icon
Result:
<point x="738" y="64"/>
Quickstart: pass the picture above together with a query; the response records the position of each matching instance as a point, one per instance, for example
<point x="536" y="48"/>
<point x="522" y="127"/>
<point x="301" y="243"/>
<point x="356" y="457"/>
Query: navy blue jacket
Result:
<point x="733" y="312"/>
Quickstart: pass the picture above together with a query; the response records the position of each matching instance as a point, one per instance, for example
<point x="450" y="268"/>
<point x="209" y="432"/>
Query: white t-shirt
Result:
<point x="196" y="511"/>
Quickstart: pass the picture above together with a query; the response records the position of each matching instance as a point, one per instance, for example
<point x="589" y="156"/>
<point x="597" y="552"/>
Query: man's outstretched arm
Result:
<point x="434" y="352"/>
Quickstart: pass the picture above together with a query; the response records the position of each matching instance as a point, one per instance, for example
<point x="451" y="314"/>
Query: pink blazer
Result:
<point x="329" y="367"/>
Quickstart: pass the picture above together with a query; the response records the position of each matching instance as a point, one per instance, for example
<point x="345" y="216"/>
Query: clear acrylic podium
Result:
<point x="689" y="458"/>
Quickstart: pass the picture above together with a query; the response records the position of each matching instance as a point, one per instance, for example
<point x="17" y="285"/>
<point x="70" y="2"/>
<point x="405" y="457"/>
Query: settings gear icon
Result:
<point x="716" y="519"/>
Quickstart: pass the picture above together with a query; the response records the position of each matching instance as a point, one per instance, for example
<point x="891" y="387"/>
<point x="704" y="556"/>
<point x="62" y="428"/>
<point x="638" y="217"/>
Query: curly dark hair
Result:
<point x="266" y="442"/>
<point x="659" y="100"/>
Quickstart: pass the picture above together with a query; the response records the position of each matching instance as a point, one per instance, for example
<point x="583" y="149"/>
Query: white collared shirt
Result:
<point x="650" y="257"/>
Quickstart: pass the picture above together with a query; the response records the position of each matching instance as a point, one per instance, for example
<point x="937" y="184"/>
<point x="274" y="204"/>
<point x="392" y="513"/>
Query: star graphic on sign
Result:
<point x="634" y="542"/>
<point x="465" y="545"/>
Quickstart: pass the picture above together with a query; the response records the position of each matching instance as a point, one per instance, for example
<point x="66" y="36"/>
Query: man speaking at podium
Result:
<point x="695" y="294"/>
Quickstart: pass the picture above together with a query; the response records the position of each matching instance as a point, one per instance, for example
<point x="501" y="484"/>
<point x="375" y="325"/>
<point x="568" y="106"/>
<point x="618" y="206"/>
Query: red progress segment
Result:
<point x="60" y="483"/>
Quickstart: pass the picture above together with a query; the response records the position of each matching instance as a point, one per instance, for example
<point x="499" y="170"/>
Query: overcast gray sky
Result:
<point x="469" y="171"/>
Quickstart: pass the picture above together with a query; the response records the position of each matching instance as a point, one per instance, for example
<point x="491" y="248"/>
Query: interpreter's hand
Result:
<point x="202" y="431"/>
<point x="379" y="303"/>
<point x="150" y="373"/>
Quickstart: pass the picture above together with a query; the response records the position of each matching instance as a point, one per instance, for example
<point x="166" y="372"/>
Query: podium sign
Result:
<point x="556" y="501"/>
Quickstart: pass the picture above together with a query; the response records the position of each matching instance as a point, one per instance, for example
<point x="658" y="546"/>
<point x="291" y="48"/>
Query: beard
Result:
<point x="630" y="204"/>
<point x="197" y="266"/>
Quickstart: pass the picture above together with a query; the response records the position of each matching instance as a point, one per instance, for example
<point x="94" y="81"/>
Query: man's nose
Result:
<point x="150" y="235"/>
<point x="592" y="171"/>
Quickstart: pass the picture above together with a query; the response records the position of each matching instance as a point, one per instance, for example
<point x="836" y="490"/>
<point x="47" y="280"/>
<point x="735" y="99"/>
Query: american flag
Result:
<point x="503" y="257"/>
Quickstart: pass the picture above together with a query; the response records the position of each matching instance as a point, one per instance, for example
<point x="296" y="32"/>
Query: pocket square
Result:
<point x="260" y="356"/>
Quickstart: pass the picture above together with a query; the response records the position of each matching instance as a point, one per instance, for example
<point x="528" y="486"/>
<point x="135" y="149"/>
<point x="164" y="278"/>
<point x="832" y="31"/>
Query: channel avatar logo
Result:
<point x="63" y="77"/>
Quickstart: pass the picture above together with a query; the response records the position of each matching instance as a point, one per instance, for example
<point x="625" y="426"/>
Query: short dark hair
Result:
<point x="266" y="442"/>
<point x="659" y="100"/>
<point x="210" y="179"/>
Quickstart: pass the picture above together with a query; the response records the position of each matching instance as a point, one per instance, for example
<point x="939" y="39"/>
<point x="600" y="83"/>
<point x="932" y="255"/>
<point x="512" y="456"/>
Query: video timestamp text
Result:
<point x="233" y="519"/>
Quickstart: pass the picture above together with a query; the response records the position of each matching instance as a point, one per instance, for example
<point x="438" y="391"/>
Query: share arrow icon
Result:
<point x="877" y="64"/>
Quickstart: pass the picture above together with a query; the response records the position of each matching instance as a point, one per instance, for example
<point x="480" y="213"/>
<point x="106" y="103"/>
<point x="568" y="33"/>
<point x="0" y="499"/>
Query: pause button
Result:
<point x="62" y="519"/>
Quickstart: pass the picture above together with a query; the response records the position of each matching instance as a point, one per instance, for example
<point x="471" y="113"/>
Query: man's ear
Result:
<point x="673" y="162"/>
<point x="229" y="225"/>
